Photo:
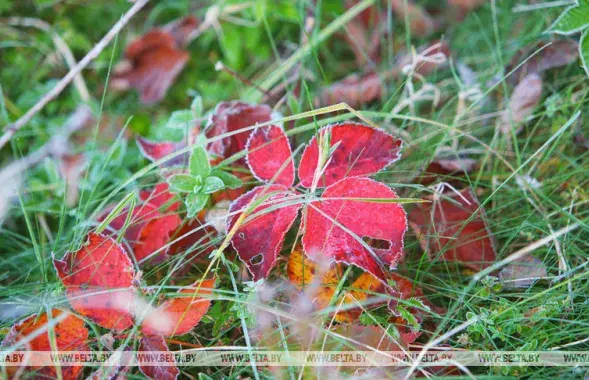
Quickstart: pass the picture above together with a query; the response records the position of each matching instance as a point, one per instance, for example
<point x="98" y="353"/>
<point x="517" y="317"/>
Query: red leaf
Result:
<point x="154" y="60"/>
<point x="151" y="224"/>
<point x="436" y="227"/>
<point x="98" y="280"/>
<point x="157" y="343"/>
<point x="184" y="313"/>
<point x="70" y="335"/>
<point x="259" y="238"/>
<point x="377" y="219"/>
<point x="269" y="156"/>
<point x="420" y="21"/>
<point x="231" y="117"/>
<point x="160" y="197"/>
<point x="446" y="169"/>
<point x="362" y="151"/>
<point x="155" y="151"/>
<point x="197" y="235"/>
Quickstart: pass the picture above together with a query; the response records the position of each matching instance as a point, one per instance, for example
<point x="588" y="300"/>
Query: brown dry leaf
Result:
<point x="525" y="97"/>
<point x="153" y="61"/>
<point x="557" y="54"/>
<point x="523" y="272"/>
<point x="421" y="22"/>
<point x="355" y="90"/>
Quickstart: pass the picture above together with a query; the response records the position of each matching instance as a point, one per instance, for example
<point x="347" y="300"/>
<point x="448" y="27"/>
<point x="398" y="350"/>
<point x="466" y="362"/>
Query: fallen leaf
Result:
<point x="229" y="118"/>
<point x="183" y="313"/>
<point x="306" y="275"/>
<point x="421" y="23"/>
<point x="155" y="151"/>
<point x="157" y="343"/>
<point x="442" y="168"/>
<point x="70" y="335"/>
<point x="437" y="223"/>
<point x="364" y="33"/>
<point x="359" y="151"/>
<point x="260" y="236"/>
<point x="355" y="90"/>
<point x="557" y="54"/>
<point x="523" y="273"/>
<point x="352" y="209"/>
<point x="525" y="97"/>
<point x="71" y="168"/>
<point x="151" y="224"/>
<point x="363" y="288"/>
<point x="153" y="61"/>
<point x="269" y="156"/>
<point x="98" y="279"/>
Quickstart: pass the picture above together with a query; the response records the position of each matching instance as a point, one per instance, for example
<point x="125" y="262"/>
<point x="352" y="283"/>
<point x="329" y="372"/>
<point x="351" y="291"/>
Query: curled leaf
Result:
<point x="98" y="279"/>
<point x="350" y="210"/>
<point x="556" y="54"/>
<point x="525" y="97"/>
<point x="359" y="151"/>
<point x="70" y="335"/>
<point x="269" y="156"/>
<point x="183" y="313"/>
<point x="260" y="235"/>
<point x="437" y="223"/>
<point x="420" y="22"/>
<point x="153" y="61"/>
<point x="231" y="117"/>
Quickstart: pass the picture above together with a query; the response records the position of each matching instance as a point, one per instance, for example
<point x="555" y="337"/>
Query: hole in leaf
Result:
<point x="377" y="243"/>
<point x="257" y="259"/>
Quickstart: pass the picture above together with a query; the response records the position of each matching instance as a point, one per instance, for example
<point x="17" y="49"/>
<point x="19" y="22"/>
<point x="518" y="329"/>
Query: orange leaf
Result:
<point x="184" y="313"/>
<point x="98" y="279"/>
<point x="70" y="335"/>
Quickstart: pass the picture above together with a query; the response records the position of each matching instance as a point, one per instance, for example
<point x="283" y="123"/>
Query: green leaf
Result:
<point x="228" y="179"/>
<point x="574" y="19"/>
<point x="195" y="203"/>
<point x="182" y="183"/>
<point x="212" y="184"/>
<point x="199" y="162"/>
<point x="197" y="106"/>
<point x="180" y="120"/>
<point x="410" y="318"/>
<point x="584" y="50"/>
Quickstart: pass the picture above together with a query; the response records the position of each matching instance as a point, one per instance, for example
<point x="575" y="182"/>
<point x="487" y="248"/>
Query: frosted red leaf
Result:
<point x="184" y="312"/>
<point x="155" y="151"/>
<point x="194" y="236"/>
<point x="70" y="335"/>
<point x="160" y="197"/>
<point x="362" y="151"/>
<point x="98" y="279"/>
<point x="153" y="61"/>
<point x="363" y="208"/>
<point x="231" y="117"/>
<point x="157" y="343"/>
<point x="151" y="225"/>
<point x="260" y="236"/>
<point x="269" y="156"/>
<point x="437" y="224"/>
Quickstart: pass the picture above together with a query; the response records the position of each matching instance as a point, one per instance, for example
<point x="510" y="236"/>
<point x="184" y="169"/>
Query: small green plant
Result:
<point x="573" y="20"/>
<point x="201" y="181"/>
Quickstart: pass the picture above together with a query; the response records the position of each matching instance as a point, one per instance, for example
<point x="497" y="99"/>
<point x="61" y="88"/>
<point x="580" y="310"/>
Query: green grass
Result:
<point x="552" y="313"/>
